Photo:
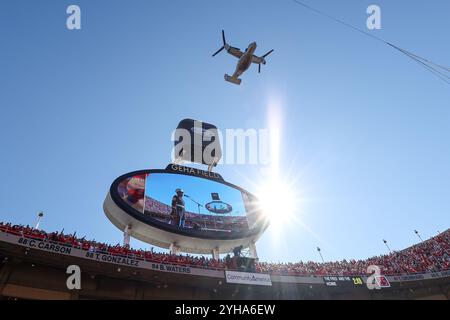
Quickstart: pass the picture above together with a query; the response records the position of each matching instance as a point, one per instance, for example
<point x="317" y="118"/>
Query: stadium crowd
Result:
<point x="428" y="256"/>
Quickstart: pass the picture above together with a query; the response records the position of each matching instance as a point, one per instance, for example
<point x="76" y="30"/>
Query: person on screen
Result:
<point x="178" y="207"/>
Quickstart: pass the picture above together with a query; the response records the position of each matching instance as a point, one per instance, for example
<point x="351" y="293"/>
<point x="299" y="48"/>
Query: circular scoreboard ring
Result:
<point x="219" y="207"/>
<point x="123" y="207"/>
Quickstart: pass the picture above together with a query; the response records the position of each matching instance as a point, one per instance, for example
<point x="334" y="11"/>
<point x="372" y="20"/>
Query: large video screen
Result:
<point x="190" y="202"/>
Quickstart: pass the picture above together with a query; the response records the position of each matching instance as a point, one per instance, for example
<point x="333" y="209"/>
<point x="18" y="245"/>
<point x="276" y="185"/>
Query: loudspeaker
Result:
<point x="191" y="139"/>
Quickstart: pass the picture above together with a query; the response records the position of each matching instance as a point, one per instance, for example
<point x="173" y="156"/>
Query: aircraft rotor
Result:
<point x="224" y="44"/>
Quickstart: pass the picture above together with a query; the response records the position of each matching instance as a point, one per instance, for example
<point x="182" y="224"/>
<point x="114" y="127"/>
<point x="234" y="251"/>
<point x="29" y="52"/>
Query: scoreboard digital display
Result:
<point x="339" y="281"/>
<point x="190" y="202"/>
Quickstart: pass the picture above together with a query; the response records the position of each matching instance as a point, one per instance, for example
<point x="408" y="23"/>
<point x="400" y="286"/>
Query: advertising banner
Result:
<point x="49" y="246"/>
<point x="259" y="279"/>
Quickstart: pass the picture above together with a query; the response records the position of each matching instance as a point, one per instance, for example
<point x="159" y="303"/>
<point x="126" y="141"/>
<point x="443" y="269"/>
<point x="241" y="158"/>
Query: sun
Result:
<point x="278" y="202"/>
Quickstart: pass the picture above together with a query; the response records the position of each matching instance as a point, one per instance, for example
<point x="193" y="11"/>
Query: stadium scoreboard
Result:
<point x="343" y="281"/>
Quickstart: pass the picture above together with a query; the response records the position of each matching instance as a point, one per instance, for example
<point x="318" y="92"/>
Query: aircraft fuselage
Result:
<point x="245" y="60"/>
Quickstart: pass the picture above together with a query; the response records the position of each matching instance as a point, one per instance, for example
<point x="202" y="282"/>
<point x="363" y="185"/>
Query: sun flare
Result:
<point x="277" y="201"/>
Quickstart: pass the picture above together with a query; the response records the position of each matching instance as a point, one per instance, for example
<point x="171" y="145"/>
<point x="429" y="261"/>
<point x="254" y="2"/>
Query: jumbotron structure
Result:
<point x="217" y="216"/>
<point x="185" y="209"/>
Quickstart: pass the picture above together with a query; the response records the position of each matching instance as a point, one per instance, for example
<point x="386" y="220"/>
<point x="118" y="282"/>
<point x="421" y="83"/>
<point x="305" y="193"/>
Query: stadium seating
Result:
<point x="429" y="256"/>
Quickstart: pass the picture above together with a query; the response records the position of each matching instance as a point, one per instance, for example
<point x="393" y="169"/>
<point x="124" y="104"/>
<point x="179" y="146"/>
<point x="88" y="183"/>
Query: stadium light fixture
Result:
<point x="40" y="215"/>
<point x="320" y="253"/>
<point x="385" y="242"/>
<point x="417" y="233"/>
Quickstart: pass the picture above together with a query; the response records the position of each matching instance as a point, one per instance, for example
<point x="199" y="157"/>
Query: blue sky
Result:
<point x="365" y="130"/>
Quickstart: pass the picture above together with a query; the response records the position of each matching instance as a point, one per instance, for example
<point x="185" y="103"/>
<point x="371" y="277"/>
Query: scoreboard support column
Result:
<point x="174" y="249"/>
<point x="215" y="253"/>
<point x="252" y="248"/>
<point x="126" y="236"/>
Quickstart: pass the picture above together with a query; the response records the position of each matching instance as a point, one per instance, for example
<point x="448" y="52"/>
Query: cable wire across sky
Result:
<point x="438" y="70"/>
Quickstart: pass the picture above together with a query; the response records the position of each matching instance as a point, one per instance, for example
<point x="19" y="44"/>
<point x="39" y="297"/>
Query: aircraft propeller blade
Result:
<point x="267" y="53"/>
<point x="223" y="37"/>
<point x="259" y="67"/>
<point x="218" y="51"/>
<point x="224" y="44"/>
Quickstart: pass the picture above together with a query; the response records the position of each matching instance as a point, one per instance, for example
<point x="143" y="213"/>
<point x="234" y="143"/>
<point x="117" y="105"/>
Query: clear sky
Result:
<point x="365" y="131"/>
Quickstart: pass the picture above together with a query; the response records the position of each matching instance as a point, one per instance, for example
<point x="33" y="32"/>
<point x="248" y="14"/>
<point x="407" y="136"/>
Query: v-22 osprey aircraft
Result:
<point x="245" y="59"/>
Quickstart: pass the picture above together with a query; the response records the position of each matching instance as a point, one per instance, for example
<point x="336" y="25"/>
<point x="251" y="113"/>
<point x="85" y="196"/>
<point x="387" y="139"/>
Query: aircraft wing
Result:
<point x="235" y="52"/>
<point x="257" y="60"/>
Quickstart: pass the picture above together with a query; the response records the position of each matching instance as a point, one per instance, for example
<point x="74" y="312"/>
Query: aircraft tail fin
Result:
<point x="232" y="80"/>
